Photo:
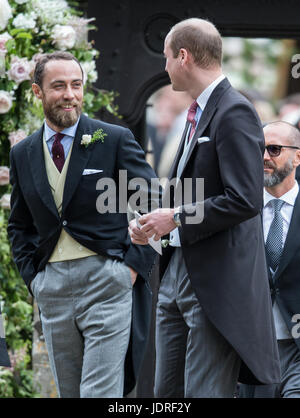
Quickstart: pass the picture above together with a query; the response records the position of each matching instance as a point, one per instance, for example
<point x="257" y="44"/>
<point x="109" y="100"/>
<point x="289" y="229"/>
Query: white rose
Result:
<point x="5" y="14"/>
<point x="5" y="102"/>
<point x="86" y="139"/>
<point x="21" y="1"/>
<point x="89" y="71"/>
<point x="16" y="136"/>
<point x="64" y="37"/>
<point x="25" y="21"/>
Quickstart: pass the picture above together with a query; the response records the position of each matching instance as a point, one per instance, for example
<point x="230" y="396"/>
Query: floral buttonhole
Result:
<point x="98" y="135"/>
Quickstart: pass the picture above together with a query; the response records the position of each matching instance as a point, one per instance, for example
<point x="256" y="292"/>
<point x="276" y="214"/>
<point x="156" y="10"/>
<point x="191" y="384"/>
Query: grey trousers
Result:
<point x="85" y="308"/>
<point x="193" y="359"/>
<point x="289" y="387"/>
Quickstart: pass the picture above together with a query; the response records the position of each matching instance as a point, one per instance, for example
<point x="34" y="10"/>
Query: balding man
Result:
<point x="214" y="311"/>
<point x="281" y="222"/>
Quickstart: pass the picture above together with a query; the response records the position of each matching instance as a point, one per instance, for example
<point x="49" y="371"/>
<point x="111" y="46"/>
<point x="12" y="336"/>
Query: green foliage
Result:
<point x="18" y="314"/>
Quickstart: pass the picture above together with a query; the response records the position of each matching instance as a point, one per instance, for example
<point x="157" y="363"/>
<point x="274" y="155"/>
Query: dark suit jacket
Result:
<point x="35" y="225"/>
<point x="285" y="284"/>
<point x="224" y="254"/>
<point x="4" y="359"/>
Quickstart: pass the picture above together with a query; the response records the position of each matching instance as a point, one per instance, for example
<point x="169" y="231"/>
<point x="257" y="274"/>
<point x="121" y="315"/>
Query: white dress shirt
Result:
<point x="202" y="102"/>
<point x="286" y="211"/>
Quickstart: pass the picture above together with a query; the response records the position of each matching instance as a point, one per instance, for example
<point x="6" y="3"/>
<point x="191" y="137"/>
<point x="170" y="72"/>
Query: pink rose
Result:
<point x="5" y="101"/>
<point x="4" y="175"/>
<point x="4" y="37"/>
<point x="5" y="201"/>
<point x="16" y="136"/>
<point x="20" y="69"/>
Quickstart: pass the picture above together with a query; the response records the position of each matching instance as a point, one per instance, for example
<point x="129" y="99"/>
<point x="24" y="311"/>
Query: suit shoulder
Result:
<point x="233" y="97"/>
<point x="233" y="104"/>
<point x="107" y="127"/>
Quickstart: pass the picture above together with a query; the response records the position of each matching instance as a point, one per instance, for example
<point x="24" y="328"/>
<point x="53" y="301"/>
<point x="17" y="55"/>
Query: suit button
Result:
<point x="65" y="223"/>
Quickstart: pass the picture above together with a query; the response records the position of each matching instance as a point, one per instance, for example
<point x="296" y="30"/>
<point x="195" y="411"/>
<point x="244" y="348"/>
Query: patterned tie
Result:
<point x="274" y="239"/>
<point x="191" y="118"/>
<point x="58" y="153"/>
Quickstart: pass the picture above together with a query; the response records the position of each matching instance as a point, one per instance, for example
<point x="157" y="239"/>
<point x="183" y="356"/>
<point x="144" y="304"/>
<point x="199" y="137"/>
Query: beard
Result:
<point x="278" y="175"/>
<point x="60" y="118"/>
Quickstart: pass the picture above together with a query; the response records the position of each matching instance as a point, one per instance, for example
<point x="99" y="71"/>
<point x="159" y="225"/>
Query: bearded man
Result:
<point x="77" y="260"/>
<point x="281" y="223"/>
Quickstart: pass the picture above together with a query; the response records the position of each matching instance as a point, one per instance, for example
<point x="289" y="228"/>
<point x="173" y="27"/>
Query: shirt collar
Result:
<point x="205" y="95"/>
<point x="289" y="197"/>
<point x="71" y="131"/>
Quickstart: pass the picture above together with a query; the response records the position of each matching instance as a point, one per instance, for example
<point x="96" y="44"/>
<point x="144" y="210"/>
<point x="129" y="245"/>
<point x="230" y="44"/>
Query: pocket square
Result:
<point x="203" y="139"/>
<point x="88" y="171"/>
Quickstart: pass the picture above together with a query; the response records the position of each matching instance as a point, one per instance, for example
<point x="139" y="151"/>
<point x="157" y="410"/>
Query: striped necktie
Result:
<point x="191" y="117"/>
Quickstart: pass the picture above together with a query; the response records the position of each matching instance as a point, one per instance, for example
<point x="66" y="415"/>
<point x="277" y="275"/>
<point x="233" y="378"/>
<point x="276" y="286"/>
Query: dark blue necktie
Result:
<point x="275" y="236"/>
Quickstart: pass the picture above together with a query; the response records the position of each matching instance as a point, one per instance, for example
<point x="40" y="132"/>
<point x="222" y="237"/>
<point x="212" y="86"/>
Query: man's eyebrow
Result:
<point x="63" y="81"/>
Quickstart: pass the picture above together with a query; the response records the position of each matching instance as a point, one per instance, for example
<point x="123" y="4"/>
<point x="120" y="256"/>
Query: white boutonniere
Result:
<point x="99" y="135"/>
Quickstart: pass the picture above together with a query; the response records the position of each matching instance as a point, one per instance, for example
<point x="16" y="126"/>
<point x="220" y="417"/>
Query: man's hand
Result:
<point x="133" y="275"/>
<point x="158" y="223"/>
<point x="136" y="235"/>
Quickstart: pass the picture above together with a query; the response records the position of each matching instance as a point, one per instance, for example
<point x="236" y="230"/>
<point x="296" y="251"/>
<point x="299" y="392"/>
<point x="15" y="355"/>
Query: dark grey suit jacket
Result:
<point x="224" y="254"/>
<point x="285" y="284"/>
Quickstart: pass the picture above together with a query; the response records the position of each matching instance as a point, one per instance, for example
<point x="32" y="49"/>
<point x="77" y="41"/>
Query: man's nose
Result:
<point x="68" y="93"/>
<point x="266" y="155"/>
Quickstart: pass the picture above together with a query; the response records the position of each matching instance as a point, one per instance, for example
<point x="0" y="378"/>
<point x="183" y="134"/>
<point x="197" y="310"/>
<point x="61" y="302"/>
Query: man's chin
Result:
<point x="66" y="119"/>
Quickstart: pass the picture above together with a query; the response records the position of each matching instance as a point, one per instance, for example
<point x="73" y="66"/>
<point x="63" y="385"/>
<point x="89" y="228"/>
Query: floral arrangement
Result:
<point x="29" y="28"/>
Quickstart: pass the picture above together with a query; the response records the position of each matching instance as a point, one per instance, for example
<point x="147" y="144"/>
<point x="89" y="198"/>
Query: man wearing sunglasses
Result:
<point x="281" y="223"/>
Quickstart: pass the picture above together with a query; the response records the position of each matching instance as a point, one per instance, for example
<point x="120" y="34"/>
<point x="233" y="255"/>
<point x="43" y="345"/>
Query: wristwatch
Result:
<point x="176" y="217"/>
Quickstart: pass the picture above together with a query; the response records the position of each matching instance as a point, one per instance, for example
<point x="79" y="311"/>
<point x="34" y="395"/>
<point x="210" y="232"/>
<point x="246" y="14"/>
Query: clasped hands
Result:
<point x="155" y="224"/>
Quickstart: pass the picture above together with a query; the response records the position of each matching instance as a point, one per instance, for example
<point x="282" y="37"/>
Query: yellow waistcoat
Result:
<point x="66" y="248"/>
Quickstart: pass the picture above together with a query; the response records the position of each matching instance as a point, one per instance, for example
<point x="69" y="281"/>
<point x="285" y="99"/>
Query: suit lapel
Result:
<point x="174" y="166"/>
<point x="78" y="160"/>
<point x="168" y="193"/>
<point x="207" y="115"/>
<point x="38" y="170"/>
<point x="292" y="242"/>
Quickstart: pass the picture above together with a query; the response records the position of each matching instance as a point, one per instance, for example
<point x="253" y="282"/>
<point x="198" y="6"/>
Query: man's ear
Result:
<point x="183" y="54"/>
<point x="37" y="90"/>
<point x="297" y="158"/>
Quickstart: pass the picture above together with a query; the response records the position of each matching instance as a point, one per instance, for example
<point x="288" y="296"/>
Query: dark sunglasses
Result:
<point x="275" y="150"/>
